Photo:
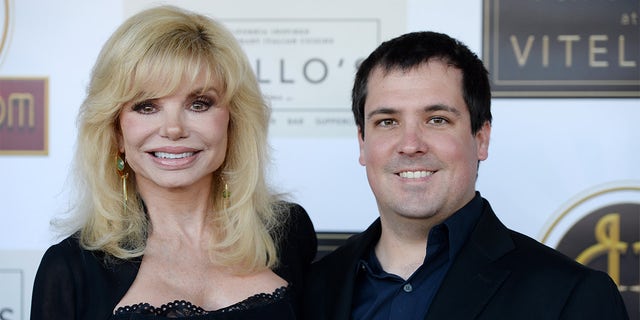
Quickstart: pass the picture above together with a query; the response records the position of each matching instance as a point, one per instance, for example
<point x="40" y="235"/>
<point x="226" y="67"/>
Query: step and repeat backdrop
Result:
<point x="564" y="159"/>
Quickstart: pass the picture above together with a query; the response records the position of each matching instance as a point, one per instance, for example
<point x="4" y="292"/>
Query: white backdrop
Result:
<point x="543" y="152"/>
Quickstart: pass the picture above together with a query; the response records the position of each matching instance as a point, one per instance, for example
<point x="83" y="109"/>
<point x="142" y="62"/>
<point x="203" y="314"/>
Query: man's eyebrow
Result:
<point x="426" y="109"/>
<point x="383" y="111"/>
<point x="442" y="107"/>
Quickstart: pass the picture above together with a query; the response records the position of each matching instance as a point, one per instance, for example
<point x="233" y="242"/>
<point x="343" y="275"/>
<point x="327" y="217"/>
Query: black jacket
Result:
<point x="498" y="274"/>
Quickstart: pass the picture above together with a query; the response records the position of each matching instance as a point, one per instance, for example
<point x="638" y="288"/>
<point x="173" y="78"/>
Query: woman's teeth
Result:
<point x="166" y="155"/>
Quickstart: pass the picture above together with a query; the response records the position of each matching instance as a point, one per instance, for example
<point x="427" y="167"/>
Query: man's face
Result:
<point x="420" y="155"/>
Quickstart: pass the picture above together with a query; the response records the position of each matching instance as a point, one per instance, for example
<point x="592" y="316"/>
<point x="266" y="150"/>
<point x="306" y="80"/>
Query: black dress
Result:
<point x="276" y="305"/>
<point x="73" y="283"/>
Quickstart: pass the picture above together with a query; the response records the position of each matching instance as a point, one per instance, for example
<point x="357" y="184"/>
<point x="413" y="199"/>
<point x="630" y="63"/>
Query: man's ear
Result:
<point x="361" y="144"/>
<point x="482" y="141"/>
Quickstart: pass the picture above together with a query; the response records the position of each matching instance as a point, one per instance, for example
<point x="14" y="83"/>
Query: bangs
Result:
<point x="160" y="73"/>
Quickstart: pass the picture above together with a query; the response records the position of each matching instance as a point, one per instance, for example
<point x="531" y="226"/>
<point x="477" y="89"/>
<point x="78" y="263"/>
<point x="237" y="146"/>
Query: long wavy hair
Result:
<point x="150" y="55"/>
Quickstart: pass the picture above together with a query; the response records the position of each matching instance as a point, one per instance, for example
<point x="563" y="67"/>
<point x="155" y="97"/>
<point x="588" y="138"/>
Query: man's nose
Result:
<point x="412" y="140"/>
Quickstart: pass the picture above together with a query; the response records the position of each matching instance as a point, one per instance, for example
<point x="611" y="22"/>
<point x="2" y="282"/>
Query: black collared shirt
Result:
<point x="381" y="295"/>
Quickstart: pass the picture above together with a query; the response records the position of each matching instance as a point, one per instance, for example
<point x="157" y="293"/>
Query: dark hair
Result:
<point x="412" y="49"/>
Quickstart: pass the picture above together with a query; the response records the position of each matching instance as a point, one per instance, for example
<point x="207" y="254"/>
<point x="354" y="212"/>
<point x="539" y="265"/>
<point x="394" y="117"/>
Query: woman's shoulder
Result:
<point x="297" y="220"/>
<point x="64" y="252"/>
<point x="297" y="235"/>
<point x="297" y="245"/>
<point x="60" y="267"/>
<point x="68" y="257"/>
<point x="69" y="254"/>
<point x="71" y="277"/>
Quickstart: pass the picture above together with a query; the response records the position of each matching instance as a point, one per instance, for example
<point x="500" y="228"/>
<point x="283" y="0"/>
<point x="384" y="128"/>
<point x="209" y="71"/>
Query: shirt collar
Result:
<point x="455" y="230"/>
<point x="460" y="224"/>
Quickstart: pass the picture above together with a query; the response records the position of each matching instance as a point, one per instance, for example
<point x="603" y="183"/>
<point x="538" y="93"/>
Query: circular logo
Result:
<point x="600" y="228"/>
<point x="4" y="25"/>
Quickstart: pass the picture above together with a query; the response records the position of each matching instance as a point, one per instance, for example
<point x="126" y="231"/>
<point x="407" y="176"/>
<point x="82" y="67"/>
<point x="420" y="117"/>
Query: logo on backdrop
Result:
<point x="23" y="116"/>
<point x="600" y="228"/>
<point x="11" y="294"/>
<point x="560" y="48"/>
<point x="4" y="25"/>
<point x="303" y="67"/>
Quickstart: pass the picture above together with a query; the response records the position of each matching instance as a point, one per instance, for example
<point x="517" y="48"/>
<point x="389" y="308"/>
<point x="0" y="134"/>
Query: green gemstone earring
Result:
<point x="120" y="166"/>
<point x="226" y="194"/>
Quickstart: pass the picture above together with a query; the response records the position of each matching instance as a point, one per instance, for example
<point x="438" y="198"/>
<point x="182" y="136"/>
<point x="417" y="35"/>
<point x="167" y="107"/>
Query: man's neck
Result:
<point x="402" y="248"/>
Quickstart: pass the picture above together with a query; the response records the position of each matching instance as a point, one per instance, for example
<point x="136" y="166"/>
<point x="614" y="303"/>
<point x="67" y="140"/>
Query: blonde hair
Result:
<point x="150" y="55"/>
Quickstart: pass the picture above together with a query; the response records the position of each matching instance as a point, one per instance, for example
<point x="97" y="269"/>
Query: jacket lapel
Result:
<point x="474" y="278"/>
<point x="345" y="278"/>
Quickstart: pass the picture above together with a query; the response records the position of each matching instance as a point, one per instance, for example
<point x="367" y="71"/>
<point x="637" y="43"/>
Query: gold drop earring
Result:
<point x="225" y="194"/>
<point x="120" y="166"/>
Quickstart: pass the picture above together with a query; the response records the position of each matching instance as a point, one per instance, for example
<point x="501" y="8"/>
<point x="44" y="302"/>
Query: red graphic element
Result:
<point x="23" y="116"/>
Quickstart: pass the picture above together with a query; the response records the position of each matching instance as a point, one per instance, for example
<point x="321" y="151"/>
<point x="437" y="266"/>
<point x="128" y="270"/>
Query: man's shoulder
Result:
<point x="523" y="250"/>
<point x="534" y="255"/>
<point x="533" y="246"/>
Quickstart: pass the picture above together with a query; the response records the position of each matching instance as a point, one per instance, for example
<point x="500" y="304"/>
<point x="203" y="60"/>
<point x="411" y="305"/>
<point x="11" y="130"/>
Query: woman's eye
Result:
<point x="144" y="107"/>
<point x="201" y="104"/>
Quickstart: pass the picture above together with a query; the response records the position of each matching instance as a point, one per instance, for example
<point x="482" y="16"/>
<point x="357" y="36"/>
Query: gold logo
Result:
<point x="4" y="24"/>
<point x="601" y="229"/>
<point x="23" y="116"/>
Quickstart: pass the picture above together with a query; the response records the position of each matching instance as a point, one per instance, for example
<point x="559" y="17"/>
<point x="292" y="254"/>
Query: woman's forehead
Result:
<point x="159" y="83"/>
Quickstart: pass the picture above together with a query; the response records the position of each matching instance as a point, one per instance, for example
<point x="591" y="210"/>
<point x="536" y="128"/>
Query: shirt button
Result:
<point x="407" y="288"/>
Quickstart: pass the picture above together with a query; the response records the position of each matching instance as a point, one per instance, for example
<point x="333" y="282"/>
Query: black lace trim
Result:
<point x="182" y="308"/>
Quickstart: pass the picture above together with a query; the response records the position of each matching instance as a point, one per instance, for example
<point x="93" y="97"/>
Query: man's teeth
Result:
<point x="165" y="155"/>
<point x="415" y="174"/>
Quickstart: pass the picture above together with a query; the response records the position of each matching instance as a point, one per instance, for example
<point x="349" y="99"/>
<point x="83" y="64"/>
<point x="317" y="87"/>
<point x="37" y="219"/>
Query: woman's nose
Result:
<point x="174" y="126"/>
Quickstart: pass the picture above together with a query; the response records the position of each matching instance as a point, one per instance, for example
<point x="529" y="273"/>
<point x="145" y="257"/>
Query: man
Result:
<point x="422" y="107"/>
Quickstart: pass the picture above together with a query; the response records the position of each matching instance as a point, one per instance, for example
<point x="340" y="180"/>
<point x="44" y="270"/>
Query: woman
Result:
<point x="175" y="219"/>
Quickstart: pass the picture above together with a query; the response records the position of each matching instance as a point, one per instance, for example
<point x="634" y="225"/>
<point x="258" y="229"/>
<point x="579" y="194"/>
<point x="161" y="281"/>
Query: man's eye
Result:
<point x="386" y="122"/>
<point x="438" y="120"/>
<point x="144" y="107"/>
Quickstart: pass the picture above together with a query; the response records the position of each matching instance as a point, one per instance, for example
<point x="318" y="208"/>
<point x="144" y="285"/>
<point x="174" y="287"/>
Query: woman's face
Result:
<point x="176" y="141"/>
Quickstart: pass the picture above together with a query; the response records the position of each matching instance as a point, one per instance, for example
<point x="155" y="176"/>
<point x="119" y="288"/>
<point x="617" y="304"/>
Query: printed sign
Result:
<point x="11" y="282"/>
<point x="306" y="67"/>
<point x="556" y="48"/>
<point x="23" y="116"/>
<point x="4" y="26"/>
<point x="17" y="272"/>
<point x="601" y="229"/>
